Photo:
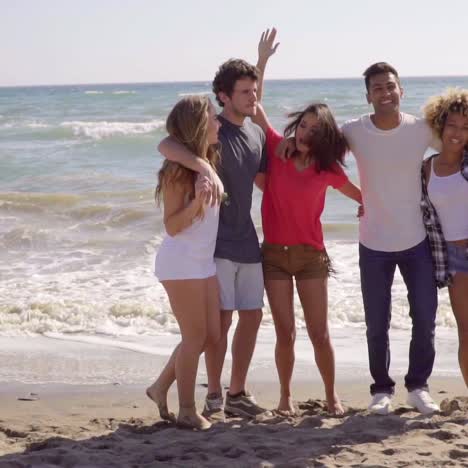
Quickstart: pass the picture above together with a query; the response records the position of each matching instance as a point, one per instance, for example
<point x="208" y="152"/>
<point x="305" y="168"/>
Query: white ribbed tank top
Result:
<point x="449" y="195"/>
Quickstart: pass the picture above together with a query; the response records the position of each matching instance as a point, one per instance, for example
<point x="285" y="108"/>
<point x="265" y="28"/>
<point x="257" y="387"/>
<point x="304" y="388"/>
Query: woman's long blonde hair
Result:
<point x="187" y="123"/>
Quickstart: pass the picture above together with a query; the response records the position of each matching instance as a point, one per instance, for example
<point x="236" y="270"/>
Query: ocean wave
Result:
<point x="17" y="124"/>
<point x="199" y="93"/>
<point x="75" y="316"/>
<point x="25" y="238"/>
<point x="90" y="212"/>
<point x="340" y="228"/>
<point x="124" y="92"/>
<point x="18" y="199"/>
<point x="73" y="218"/>
<point x="118" y="92"/>
<point x="105" y="129"/>
<point x="94" y="201"/>
<point x="106" y="217"/>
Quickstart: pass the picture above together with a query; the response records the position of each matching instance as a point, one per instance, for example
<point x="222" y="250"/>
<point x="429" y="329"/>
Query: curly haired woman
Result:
<point x="445" y="205"/>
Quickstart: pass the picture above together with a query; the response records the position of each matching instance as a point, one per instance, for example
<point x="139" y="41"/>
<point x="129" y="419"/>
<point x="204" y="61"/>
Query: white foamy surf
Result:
<point x="104" y="129"/>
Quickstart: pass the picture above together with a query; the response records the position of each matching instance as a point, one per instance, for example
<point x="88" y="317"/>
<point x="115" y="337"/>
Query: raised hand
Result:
<point x="266" y="46"/>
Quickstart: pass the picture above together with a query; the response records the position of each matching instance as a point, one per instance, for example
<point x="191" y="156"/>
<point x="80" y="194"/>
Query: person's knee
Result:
<point x="377" y="332"/>
<point x="320" y="339"/>
<point x="194" y="343"/>
<point x="423" y="327"/>
<point x="213" y="337"/>
<point x="250" y="319"/>
<point x="286" y="337"/>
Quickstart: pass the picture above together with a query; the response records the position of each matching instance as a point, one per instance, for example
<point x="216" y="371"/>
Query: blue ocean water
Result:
<point x="78" y="224"/>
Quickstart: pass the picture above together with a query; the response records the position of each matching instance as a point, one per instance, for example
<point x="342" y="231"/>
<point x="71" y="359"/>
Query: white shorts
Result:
<point x="241" y="284"/>
<point x="170" y="265"/>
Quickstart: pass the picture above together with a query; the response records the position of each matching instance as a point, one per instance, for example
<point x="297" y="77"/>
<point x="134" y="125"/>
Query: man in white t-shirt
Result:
<point x="389" y="147"/>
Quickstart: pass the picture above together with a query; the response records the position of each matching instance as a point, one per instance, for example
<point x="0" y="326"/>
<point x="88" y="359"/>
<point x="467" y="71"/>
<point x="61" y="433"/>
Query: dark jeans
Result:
<point x="377" y="272"/>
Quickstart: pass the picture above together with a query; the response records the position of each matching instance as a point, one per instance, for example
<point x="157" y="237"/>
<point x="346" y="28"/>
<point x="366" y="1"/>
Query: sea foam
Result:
<point x="104" y="291"/>
<point x="105" y="129"/>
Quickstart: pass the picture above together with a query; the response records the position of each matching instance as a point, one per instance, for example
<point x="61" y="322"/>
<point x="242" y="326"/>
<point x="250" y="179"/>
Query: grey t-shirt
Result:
<point x="242" y="157"/>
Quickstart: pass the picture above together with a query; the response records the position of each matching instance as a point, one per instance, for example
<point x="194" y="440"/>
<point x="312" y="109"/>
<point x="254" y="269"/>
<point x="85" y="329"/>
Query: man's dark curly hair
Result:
<point x="227" y="75"/>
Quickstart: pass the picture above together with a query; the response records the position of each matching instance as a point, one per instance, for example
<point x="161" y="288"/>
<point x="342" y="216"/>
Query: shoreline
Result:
<point x="97" y="360"/>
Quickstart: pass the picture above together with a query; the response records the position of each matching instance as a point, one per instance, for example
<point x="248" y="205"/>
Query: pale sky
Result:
<point x="117" y="41"/>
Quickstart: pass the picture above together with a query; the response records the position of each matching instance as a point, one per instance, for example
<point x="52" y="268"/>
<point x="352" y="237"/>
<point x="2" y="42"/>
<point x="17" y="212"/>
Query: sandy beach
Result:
<point x="83" y="404"/>
<point x="116" y="425"/>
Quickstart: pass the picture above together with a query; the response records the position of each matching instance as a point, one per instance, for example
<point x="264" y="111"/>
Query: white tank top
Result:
<point x="449" y="195"/>
<point x="189" y="254"/>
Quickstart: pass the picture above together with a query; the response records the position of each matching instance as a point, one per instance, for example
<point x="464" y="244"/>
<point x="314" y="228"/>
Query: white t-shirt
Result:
<point x="389" y="165"/>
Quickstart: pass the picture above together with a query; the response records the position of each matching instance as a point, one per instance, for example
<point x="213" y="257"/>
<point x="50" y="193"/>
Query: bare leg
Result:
<point x="213" y="316"/>
<point x="280" y="297"/>
<point x="215" y="354"/>
<point x="243" y="346"/>
<point x="314" y="299"/>
<point x="458" y="292"/>
<point x="159" y="389"/>
<point x="189" y="302"/>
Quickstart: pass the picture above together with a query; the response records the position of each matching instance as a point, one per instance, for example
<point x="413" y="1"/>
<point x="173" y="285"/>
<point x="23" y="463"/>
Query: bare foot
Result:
<point x="334" y="405"/>
<point x="189" y="418"/>
<point x="286" y="407"/>
<point x="160" y="398"/>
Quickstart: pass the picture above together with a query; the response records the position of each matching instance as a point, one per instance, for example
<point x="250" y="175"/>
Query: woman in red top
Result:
<point x="293" y="201"/>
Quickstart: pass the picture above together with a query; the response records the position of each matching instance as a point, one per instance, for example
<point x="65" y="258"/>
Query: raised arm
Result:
<point x="175" y="151"/>
<point x="266" y="48"/>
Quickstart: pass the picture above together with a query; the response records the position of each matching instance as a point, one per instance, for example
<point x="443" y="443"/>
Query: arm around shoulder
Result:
<point x="174" y="151"/>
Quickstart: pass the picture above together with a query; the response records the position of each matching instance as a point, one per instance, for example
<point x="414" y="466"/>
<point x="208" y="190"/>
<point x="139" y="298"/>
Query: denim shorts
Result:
<point x="457" y="258"/>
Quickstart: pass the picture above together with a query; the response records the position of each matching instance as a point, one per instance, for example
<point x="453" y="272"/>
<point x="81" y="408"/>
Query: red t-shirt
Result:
<point x="293" y="200"/>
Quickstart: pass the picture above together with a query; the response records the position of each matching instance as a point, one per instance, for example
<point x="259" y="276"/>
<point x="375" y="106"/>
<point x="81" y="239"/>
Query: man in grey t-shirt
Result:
<point x="242" y="158"/>
<point x="237" y="254"/>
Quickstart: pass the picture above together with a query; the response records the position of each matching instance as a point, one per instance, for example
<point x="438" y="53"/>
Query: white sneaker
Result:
<point x="422" y="401"/>
<point x="381" y="403"/>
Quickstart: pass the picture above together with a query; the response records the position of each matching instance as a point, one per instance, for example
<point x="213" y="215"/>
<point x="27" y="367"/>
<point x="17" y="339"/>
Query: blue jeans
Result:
<point x="377" y="272"/>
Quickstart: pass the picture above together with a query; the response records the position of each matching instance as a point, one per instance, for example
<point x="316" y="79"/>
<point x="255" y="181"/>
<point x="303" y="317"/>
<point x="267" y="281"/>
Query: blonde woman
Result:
<point x="184" y="262"/>
<point x="445" y="205"/>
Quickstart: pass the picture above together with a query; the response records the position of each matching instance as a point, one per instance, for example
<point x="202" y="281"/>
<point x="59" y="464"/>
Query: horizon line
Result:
<point x="205" y="81"/>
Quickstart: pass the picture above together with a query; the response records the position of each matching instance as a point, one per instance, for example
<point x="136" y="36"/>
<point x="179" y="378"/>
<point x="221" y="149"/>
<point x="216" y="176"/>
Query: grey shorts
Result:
<point x="240" y="284"/>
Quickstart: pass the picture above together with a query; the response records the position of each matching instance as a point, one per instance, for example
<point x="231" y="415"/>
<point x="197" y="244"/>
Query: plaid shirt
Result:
<point x="434" y="230"/>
